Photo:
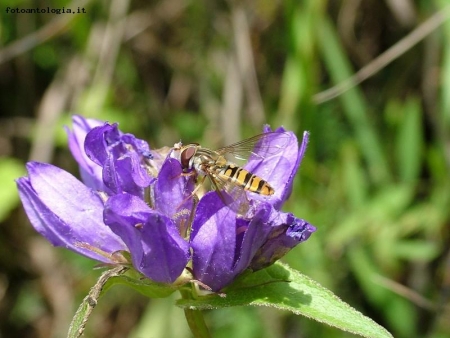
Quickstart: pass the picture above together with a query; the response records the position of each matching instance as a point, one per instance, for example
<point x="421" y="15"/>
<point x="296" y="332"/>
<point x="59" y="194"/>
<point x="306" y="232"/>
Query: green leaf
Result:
<point x="409" y="142"/>
<point x="354" y="176"/>
<point x="417" y="250"/>
<point x="10" y="169"/>
<point x="355" y="106"/>
<point x="283" y="288"/>
<point x="399" y="312"/>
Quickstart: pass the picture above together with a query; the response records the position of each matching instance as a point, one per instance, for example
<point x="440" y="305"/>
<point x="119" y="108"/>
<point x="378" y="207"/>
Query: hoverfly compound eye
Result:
<point x="186" y="156"/>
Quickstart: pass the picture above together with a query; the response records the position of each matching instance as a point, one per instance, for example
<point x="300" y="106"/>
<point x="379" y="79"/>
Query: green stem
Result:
<point x="195" y="319"/>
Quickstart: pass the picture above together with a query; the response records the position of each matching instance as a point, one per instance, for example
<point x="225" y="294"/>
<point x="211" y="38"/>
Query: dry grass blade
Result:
<point x="50" y="30"/>
<point x="387" y="57"/>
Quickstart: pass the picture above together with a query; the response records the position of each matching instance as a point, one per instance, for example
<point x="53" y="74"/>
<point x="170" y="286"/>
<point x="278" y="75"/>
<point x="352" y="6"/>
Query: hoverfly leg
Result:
<point x="185" y="174"/>
<point x="193" y="194"/>
<point x="148" y="197"/>
<point x="184" y="219"/>
<point x="186" y="224"/>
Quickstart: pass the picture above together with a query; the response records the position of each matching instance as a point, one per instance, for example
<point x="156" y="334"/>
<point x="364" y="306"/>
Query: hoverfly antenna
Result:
<point x="177" y="146"/>
<point x="176" y="151"/>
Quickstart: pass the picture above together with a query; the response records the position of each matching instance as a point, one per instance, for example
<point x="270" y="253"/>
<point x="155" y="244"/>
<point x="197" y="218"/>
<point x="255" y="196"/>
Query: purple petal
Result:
<point x="123" y="158"/>
<point x="278" y="169"/>
<point x="213" y="240"/>
<point x="140" y="146"/>
<point x="66" y="212"/>
<point x="301" y="154"/>
<point x="91" y="173"/>
<point x="138" y="151"/>
<point x="254" y="237"/>
<point x="98" y="140"/>
<point x="81" y="127"/>
<point x="118" y="176"/>
<point x="172" y="191"/>
<point x="287" y="232"/>
<point x="157" y="249"/>
<point x="125" y="174"/>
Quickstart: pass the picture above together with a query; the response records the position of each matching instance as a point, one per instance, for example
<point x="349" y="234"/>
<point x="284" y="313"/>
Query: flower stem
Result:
<point x="195" y="319"/>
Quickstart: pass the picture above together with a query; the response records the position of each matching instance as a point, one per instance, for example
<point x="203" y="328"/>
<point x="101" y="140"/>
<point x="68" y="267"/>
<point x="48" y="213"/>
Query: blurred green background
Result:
<point x="375" y="179"/>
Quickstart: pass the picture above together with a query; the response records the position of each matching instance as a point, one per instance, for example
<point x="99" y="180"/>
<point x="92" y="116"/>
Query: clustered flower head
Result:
<point x="139" y="201"/>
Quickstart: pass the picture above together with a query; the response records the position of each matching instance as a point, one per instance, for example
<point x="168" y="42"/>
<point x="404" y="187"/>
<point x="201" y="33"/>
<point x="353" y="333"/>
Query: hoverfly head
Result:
<point x="187" y="154"/>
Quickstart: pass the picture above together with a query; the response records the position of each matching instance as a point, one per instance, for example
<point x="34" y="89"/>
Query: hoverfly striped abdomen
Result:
<point x="245" y="179"/>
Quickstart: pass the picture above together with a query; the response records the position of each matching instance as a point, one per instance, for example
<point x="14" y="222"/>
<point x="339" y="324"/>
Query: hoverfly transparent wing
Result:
<point x="231" y="195"/>
<point x="260" y="146"/>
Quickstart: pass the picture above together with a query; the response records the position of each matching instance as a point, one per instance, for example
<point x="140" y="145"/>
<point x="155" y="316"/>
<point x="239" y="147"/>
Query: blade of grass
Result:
<point x="355" y="107"/>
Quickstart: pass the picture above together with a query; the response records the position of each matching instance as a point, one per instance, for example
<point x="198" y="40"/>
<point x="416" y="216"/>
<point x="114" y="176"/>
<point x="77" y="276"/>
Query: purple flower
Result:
<point x="137" y="200"/>
<point x="122" y="158"/>
<point x="153" y="235"/>
<point x="225" y="244"/>
<point x="97" y="223"/>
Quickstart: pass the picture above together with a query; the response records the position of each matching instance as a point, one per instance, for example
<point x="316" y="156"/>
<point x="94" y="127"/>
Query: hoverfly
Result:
<point x="225" y="175"/>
